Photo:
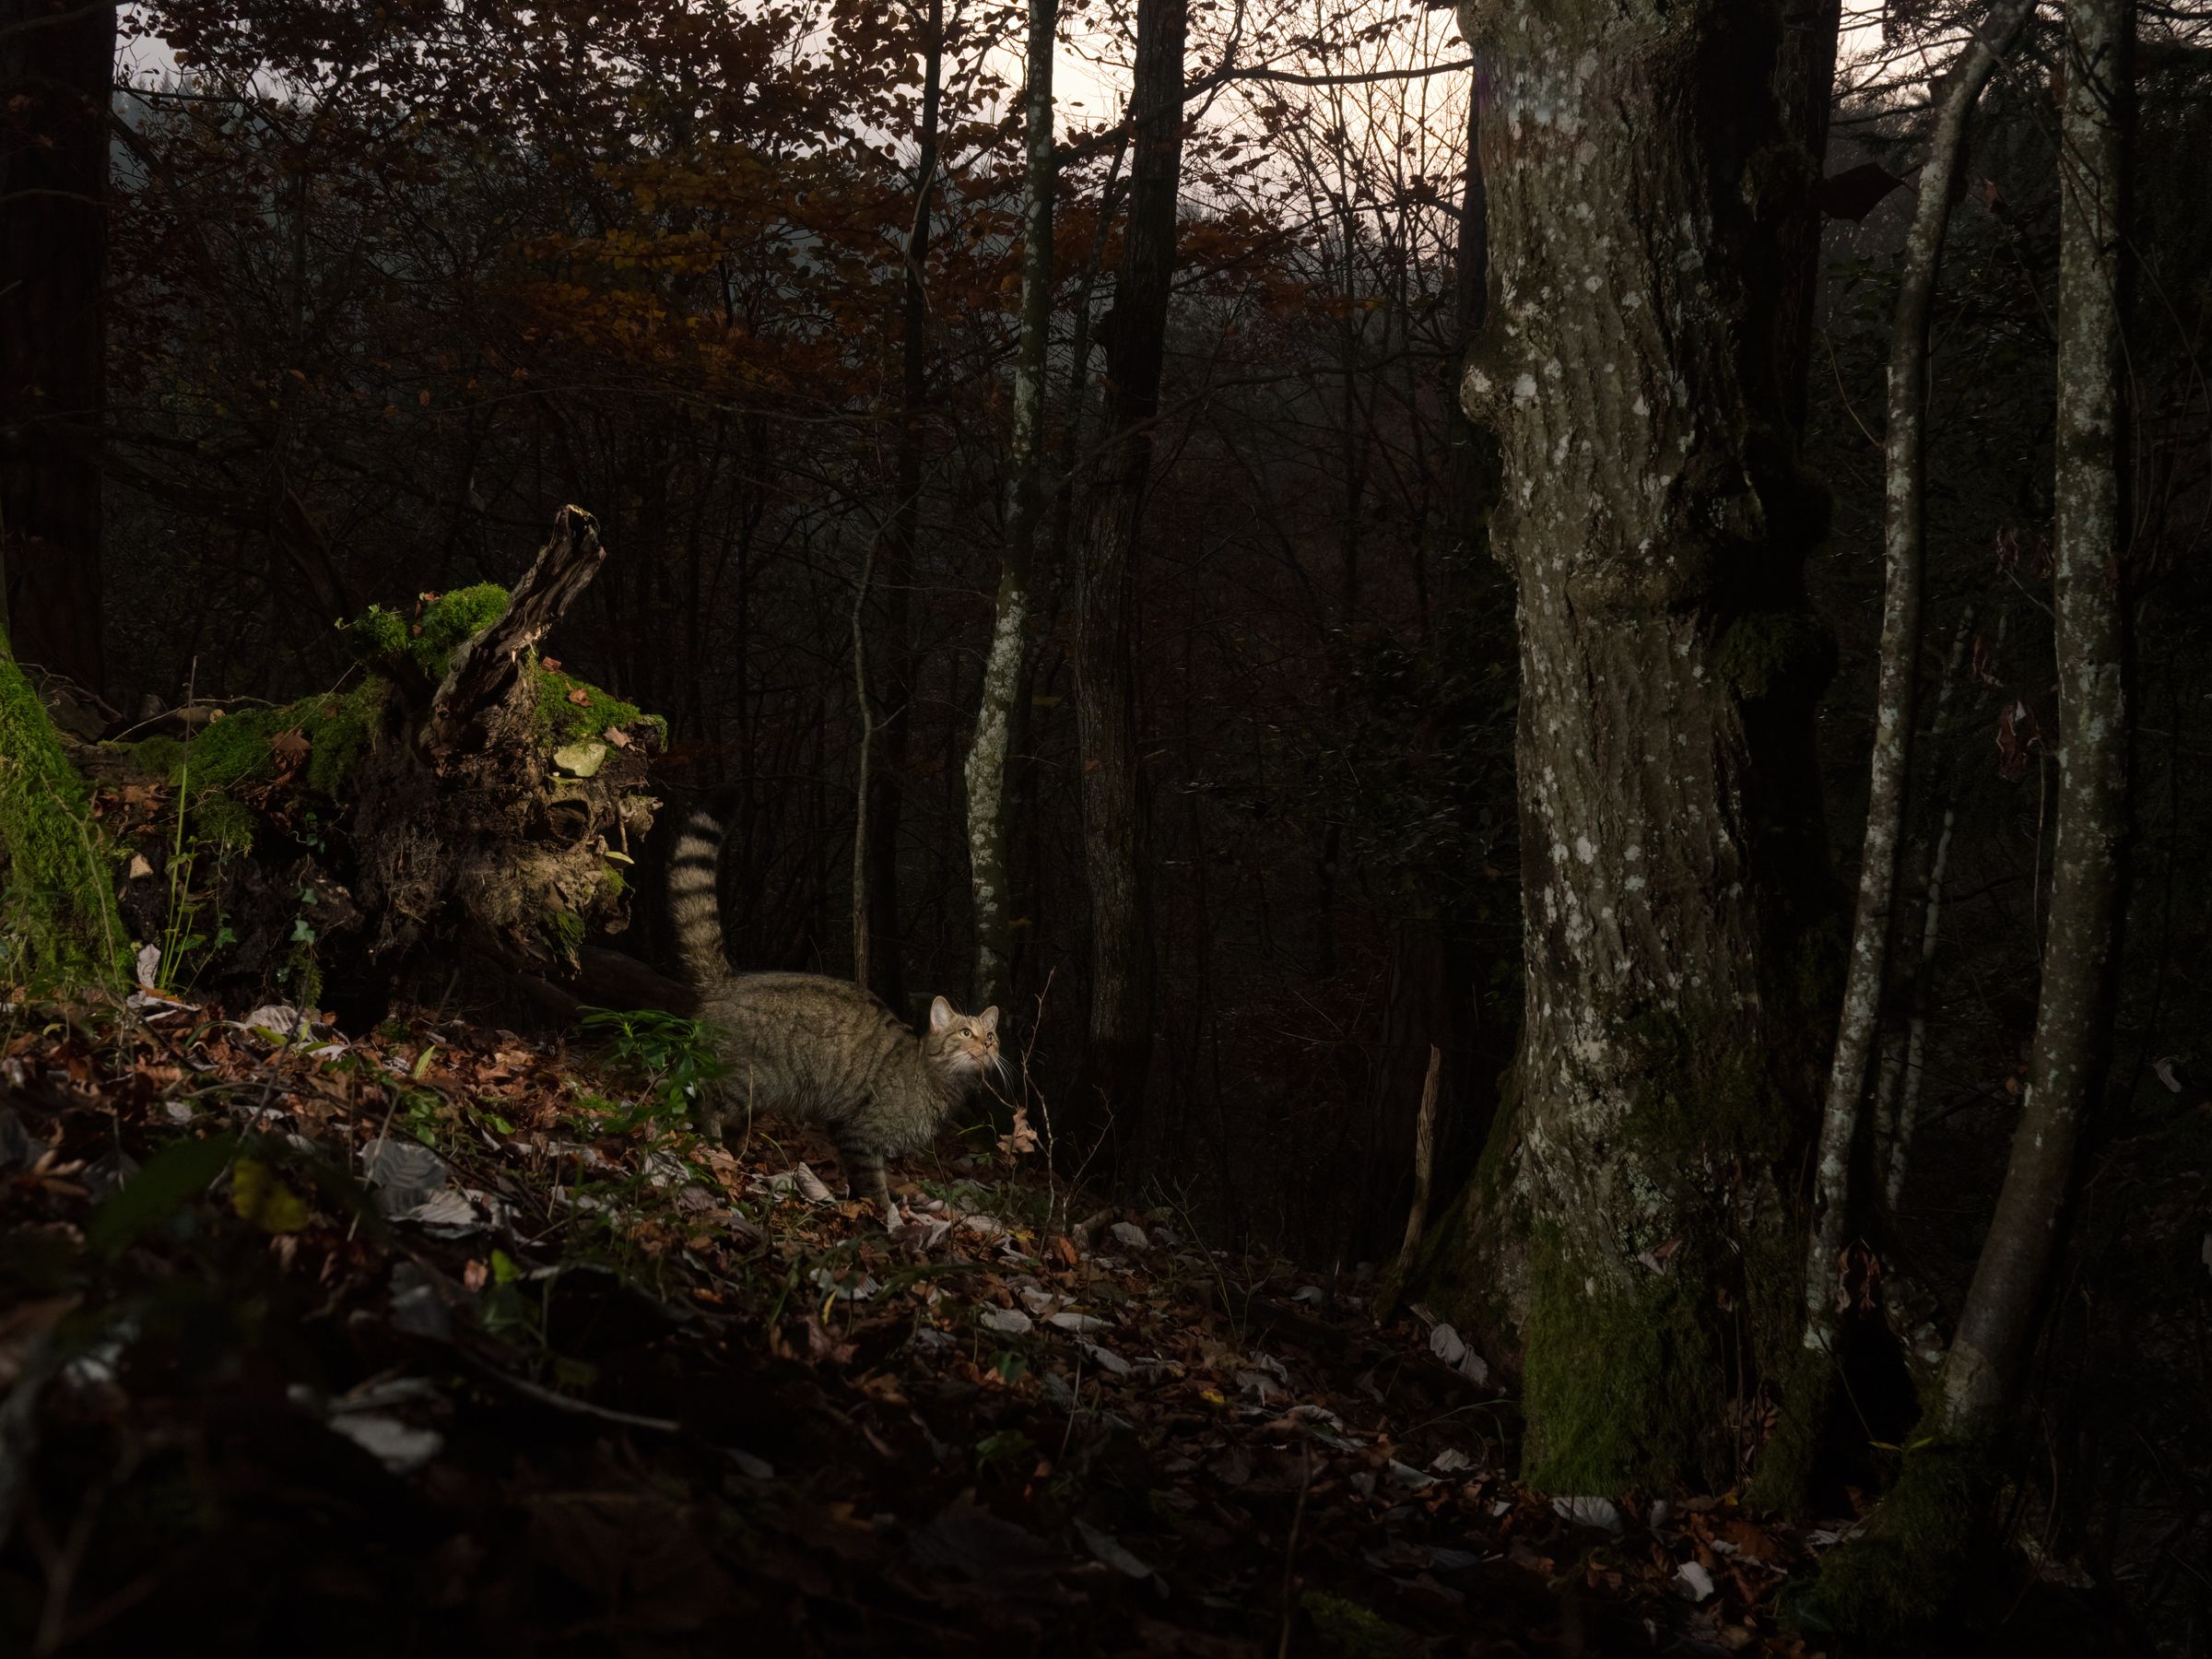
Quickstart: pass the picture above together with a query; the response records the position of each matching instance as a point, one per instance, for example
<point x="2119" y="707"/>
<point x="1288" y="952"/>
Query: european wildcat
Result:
<point x="807" y="1046"/>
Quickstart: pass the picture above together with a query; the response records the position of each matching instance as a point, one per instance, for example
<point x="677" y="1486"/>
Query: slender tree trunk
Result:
<point x="894" y="673"/>
<point x="1905" y="538"/>
<point x="989" y="869"/>
<point x="1634" y="1218"/>
<point x="57" y="75"/>
<point x="862" y="941"/>
<point x="1898" y="1570"/>
<point x="1119" y="1049"/>
<point x="2073" y="1023"/>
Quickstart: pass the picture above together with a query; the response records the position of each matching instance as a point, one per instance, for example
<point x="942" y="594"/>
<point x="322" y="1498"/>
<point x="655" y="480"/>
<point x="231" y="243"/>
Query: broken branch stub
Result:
<point x="485" y="668"/>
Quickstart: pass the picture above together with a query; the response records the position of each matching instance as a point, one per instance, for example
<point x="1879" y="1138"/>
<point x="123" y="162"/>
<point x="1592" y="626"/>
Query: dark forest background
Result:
<point x="386" y="291"/>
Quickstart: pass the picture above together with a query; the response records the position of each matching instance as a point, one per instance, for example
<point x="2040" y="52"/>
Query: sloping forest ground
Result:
<point x="442" y="1340"/>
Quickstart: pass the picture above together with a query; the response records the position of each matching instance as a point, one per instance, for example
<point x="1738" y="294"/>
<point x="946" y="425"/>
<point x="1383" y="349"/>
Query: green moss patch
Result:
<point x="1620" y="1377"/>
<point x="569" y="710"/>
<point x="563" y="719"/>
<point x="392" y="644"/>
<point x="244" y="747"/>
<point x="1351" y="1630"/>
<point x="1706" y="1092"/>
<point x="58" y="926"/>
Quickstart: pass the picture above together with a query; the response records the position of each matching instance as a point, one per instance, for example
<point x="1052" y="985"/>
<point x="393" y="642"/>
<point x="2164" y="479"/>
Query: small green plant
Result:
<point x="183" y="929"/>
<point x="1009" y="1454"/>
<point x="666" y="1058"/>
<point x="423" y="1113"/>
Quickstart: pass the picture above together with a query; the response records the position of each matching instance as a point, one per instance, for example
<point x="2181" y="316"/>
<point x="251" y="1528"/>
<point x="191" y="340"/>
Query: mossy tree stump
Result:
<point x="462" y="805"/>
<point x="498" y="812"/>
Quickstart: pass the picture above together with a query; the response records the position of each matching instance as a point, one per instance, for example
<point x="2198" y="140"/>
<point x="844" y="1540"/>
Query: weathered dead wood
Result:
<point x="484" y="670"/>
<point x="1424" y="1172"/>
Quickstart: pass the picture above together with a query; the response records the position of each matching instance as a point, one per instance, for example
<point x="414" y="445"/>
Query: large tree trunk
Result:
<point x="1119" y="1050"/>
<point x="1635" y="1214"/>
<point x="57" y="73"/>
<point x="989" y="869"/>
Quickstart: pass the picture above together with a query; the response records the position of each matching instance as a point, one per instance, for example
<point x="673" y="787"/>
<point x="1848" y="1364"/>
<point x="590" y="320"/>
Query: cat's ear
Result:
<point x="940" y="1016"/>
<point x="988" y="1019"/>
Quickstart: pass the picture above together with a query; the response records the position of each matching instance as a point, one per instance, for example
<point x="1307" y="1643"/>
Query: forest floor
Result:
<point x="442" y="1340"/>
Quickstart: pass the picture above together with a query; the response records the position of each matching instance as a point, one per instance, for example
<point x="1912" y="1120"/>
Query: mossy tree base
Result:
<point x="1896" y="1575"/>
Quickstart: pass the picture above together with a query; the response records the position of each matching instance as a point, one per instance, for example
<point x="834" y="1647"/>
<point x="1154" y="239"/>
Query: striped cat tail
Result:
<point x="694" y="902"/>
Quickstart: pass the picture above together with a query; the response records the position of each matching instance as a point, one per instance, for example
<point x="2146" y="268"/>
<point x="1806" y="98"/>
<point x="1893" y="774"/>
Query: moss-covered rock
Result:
<point x="58" y="925"/>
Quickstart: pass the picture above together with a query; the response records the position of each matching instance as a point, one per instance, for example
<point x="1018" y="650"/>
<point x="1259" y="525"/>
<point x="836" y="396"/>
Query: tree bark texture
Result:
<point x="1804" y="80"/>
<point x="57" y="73"/>
<point x="2073" y="1023"/>
<point x="1119" y="1047"/>
<point x="1634" y="1214"/>
<point x="1905" y="538"/>
<point x="990" y="868"/>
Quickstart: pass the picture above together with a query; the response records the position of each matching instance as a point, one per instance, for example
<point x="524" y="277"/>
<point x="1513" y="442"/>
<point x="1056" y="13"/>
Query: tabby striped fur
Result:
<point x="804" y="1045"/>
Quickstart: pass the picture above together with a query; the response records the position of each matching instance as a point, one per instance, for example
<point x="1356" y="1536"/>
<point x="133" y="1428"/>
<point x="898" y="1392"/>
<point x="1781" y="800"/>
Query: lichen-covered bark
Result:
<point x="990" y="870"/>
<point x="1635" y="1212"/>
<point x="1904" y="536"/>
